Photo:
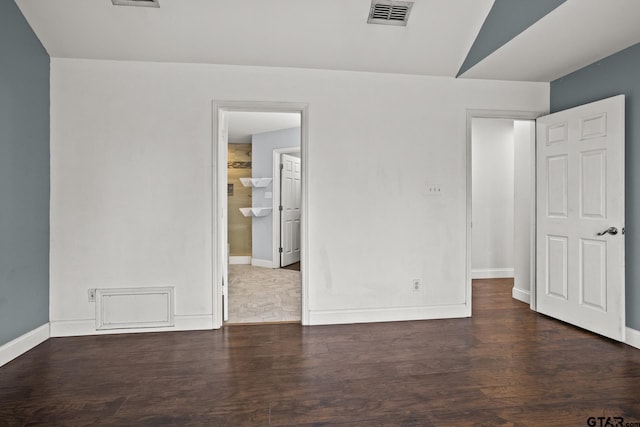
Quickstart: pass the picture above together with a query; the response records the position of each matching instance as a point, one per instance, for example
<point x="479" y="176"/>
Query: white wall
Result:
<point x="492" y="197"/>
<point x="262" y="148"/>
<point x="131" y="184"/>
<point x="524" y="134"/>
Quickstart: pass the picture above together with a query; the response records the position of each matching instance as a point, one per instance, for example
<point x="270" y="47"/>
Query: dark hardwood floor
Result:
<point x="295" y="266"/>
<point x="505" y="366"/>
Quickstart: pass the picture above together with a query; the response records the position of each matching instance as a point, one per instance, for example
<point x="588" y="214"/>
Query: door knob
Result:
<point x="611" y="230"/>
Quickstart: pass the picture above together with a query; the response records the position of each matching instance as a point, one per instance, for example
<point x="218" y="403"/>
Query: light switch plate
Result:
<point x="433" y="190"/>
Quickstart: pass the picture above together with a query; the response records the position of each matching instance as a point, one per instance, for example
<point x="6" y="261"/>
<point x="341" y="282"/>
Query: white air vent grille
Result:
<point x="133" y="308"/>
<point x="139" y="3"/>
<point x="387" y="12"/>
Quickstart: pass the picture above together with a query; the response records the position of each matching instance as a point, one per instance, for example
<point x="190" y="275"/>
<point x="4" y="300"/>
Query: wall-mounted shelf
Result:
<point x="256" y="182"/>
<point x="256" y="211"/>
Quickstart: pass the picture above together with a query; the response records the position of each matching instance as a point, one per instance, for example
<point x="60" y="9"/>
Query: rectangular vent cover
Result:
<point x="387" y="12"/>
<point x="139" y="3"/>
<point x="133" y="308"/>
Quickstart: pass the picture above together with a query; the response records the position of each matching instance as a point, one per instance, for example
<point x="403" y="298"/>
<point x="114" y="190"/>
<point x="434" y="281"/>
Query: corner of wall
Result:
<point x="632" y="338"/>
<point x="23" y="343"/>
<point x="521" y="295"/>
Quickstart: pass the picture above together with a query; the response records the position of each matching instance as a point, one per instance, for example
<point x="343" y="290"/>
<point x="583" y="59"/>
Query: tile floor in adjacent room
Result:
<point x="258" y="294"/>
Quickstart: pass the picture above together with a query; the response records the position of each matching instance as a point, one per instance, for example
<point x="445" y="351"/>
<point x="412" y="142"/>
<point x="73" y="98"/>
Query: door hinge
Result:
<point x="280" y="250"/>
<point x="280" y="208"/>
<point x="281" y="166"/>
<point x="622" y="230"/>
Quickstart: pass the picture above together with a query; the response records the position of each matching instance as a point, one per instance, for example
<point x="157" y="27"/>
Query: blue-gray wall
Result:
<point x="615" y="75"/>
<point x="24" y="176"/>
<point x="262" y="146"/>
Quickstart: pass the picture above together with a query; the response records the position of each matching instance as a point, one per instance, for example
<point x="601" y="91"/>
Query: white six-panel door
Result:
<point x="290" y="200"/>
<point x="580" y="194"/>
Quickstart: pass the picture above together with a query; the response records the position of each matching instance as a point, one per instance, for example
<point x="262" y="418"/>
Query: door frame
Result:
<point x="511" y="115"/>
<point x="218" y="178"/>
<point x="277" y="160"/>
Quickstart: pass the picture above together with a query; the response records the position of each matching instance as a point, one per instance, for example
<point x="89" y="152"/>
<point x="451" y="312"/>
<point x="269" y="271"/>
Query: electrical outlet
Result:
<point x="92" y="295"/>
<point x="416" y="285"/>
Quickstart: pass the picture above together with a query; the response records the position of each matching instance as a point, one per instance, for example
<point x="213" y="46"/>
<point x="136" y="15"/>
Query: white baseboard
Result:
<point x="520" y="295"/>
<point x="266" y="263"/>
<point x="334" y="317"/>
<point x="491" y="273"/>
<point x="240" y="260"/>
<point x="23" y="343"/>
<point x="72" y="328"/>
<point x="632" y="338"/>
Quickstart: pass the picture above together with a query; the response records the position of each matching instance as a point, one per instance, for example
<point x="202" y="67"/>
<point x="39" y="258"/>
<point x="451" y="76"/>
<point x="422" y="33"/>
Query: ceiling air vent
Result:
<point x="387" y="12"/>
<point x="139" y="3"/>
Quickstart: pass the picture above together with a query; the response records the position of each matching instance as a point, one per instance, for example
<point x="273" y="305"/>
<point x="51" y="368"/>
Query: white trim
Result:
<point x="104" y="296"/>
<point x="136" y="3"/>
<point x="520" y="295"/>
<point x="72" y="328"/>
<point x="532" y="232"/>
<point x="632" y="337"/>
<point x="240" y="260"/>
<point x="23" y="343"/>
<point x="304" y="217"/>
<point x="277" y="160"/>
<point x="495" y="114"/>
<point x="264" y="263"/>
<point x="396" y="314"/>
<point x="219" y="196"/>
<point x="491" y="273"/>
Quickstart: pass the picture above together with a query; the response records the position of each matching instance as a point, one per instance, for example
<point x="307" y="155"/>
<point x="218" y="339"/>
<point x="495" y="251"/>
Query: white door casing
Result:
<point x="219" y="196"/>
<point x="290" y="201"/>
<point x="497" y="114"/>
<point x="580" y="193"/>
<point x="223" y="140"/>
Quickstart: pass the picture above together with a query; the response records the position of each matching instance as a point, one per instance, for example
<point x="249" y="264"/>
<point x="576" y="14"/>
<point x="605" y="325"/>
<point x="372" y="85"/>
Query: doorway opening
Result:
<point x="577" y="273"/>
<point x="251" y="282"/>
<point x="501" y="201"/>
<point x="503" y="186"/>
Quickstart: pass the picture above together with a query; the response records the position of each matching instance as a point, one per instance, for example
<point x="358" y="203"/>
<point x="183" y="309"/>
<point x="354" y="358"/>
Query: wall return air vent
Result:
<point x="388" y="12"/>
<point x="139" y="3"/>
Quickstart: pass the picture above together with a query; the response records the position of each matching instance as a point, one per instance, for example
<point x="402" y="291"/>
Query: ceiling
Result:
<point x="575" y="34"/>
<point x="243" y="124"/>
<point x="333" y="34"/>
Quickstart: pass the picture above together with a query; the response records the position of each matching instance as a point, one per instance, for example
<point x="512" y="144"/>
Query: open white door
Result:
<point x="290" y="202"/>
<point x="223" y="140"/>
<point x="580" y="217"/>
